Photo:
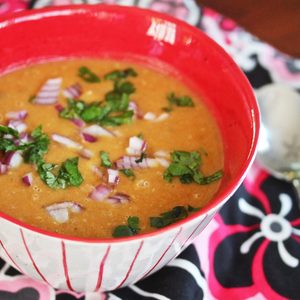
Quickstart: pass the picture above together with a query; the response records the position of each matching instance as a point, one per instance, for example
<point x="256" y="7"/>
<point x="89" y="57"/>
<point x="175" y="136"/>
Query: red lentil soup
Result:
<point x="102" y="148"/>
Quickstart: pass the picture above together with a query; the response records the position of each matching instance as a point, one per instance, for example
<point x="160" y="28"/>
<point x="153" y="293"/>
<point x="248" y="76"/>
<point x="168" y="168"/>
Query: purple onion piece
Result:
<point x="118" y="198"/>
<point x="89" y="138"/>
<point x="17" y="115"/>
<point x="13" y="159"/>
<point x="3" y="168"/>
<point x="49" y="92"/>
<point x="27" y="179"/>
<point x="100" y="193"/>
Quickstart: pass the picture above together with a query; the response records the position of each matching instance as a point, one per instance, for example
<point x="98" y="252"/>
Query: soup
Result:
<point x="102" y="148"/>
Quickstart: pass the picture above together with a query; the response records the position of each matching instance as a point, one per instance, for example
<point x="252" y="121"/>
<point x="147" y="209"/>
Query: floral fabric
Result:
<point x="251" y="250"/>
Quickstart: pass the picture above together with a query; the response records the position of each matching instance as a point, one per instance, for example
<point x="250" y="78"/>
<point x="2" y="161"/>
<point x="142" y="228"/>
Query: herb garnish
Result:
<point x="184" y="101"/>
<point x="67" y="174"/>
<point x="175" y="214"/>
<point x="128" y="172"/>
<point x="120" y="74"/>
<point x="114" y="111"/>
<point x="36" y="149"/>
<point x="7" y="142"/>
<point x="185" y="165"/>
<point x="33" y="153"/>
<point x="87" y="75"/>
<point x="105" y="161"/>
<point x="127" y="230"/>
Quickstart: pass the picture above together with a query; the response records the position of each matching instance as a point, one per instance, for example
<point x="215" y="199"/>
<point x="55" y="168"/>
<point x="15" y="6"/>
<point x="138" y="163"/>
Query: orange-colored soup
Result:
<point x="184" y="128"/>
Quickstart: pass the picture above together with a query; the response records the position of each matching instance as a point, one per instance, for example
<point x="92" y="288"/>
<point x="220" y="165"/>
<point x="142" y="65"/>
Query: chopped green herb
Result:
<point x="67" y="175"/>
<point x="120" y="74"/>
<point x="127" y="230"/>
<point x="36" y="149"/>
<point x="114" y="111"/>
<point x="184" y="101"/>
<point x="128" y="172"/>
<point x="105" y="161"/>
<point x="176" y="214"/>
<point x="87" y="75"/>
<point x="185" y="165"/>
<point x="7" y="130"/>
<point x="7" y="142"/>
<point x="143" y="156"/>
<point x="193" y="209"/>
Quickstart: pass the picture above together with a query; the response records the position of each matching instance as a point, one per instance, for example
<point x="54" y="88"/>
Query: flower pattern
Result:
<point x="261" y="232"/>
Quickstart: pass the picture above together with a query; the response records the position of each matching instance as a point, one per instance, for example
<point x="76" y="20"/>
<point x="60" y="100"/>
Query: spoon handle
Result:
<point x="296" y="184"/>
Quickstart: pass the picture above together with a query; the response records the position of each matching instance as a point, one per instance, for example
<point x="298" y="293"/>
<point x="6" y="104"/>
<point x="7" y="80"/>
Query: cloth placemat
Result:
<point x="235" y="257"/>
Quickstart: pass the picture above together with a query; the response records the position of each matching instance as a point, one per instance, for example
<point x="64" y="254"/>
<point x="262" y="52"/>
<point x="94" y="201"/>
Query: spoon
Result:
<point x="279" y="141"/>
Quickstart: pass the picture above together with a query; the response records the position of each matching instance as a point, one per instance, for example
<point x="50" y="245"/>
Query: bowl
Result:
<point x="79" y="264"/>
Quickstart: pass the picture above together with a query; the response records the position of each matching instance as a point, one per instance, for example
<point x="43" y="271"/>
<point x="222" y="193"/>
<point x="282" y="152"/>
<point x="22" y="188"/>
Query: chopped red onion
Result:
<point x="163" y="162"/>
<point x="60" y="211"/>
<point x="78" y="122"/>
<point x="3" y="168"/>
<point x="49" y="92"/>
<point x="86" y="153"/>
<point x="129" y="162"/>
<point x="13" y="159"/>
<point x="100" y="192"/>
<point x="118" y="198"/>
<point x="24" y="137"/>
<point x="136" y="146"/>
<point x="96" y="131"/>
<point x="89" y="138"/>
<point x="27" y="179"/>
<point x="162" y="154"/>
<point x="96" y="170"/>
<point x="74" y="91"/>
<point x="65" y="141"/>
<point x="162" y="117"/>
<point x="59" y="107"/>
<point x="149" y="116"/>
<point x="17" y="115"/>
<point x="134" y="107"/>
<point x="17" y="125"/>
<point x="113" y="176"/>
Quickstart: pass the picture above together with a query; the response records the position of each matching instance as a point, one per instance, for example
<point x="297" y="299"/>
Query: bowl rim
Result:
<point x="29" y="15"/>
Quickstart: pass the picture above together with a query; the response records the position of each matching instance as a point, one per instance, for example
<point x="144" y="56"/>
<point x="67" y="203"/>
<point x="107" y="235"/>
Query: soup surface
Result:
<point x="149" y="161"/>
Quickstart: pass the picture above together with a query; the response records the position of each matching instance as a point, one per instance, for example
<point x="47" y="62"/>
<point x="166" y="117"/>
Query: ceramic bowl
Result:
<point x="111" y="31"/>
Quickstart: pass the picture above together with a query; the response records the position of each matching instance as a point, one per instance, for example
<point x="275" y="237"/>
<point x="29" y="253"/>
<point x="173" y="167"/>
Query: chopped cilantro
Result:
<point x="105" y="161"/>
<point x="114" y="111"/>
<point x="7" y="142"/>
<point x="193" y="209"/>
<point x="128" y="172"/>
<point x="36" y="149"/>
<point x="67" y="175"/>
<point x="87" y="75"/>
<point x="185" y="165"/>
<point x="132" y="228"/>
<point x="120" y="74"/>
<point x="174" y="215"/>
<point x="184" y="101"/>
<point x="7" y="130"/>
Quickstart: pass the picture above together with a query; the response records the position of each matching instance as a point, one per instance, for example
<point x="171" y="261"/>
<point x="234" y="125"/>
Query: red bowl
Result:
<point x="122" y="32"/>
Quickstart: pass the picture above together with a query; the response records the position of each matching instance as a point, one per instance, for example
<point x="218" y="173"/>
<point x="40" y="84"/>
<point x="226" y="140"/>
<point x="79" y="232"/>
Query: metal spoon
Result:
<point x="279" y="140"/>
